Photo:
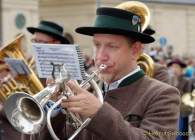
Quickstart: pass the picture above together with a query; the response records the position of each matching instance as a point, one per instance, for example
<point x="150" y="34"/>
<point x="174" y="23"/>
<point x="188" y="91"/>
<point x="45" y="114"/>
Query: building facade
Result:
<point x="15" y="17"/>
<point x="173" y="20"/>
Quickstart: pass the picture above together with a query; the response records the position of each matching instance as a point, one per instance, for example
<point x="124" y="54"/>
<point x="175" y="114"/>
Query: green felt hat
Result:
<point x="51" y="29"/>
<point x="116" y="21"/>
<point x="149" y="30"/>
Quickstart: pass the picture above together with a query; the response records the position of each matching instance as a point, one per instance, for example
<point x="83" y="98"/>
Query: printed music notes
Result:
<point x="59" y="54"/>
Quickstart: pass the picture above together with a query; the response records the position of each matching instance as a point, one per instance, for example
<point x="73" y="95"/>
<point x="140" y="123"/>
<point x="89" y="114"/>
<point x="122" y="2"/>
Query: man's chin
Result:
<point x="106" y="77"/>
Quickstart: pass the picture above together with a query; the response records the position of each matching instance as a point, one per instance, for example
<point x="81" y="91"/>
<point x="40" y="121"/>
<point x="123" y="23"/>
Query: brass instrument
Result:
<point x="80" y="124"/>
<point x="12" y="82"/>
<point x="187" y="103"/>
<point x="26" y="113"/>
<point x="144" y="61"/>
<point x="139" y="9"/>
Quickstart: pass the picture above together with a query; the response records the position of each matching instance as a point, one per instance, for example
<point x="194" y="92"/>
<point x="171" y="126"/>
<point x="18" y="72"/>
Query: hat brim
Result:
<point x="144" y="38"/>
<point x="149" y="31"/>
<point x="61" y="38"/>
<point x="183" y="65"/>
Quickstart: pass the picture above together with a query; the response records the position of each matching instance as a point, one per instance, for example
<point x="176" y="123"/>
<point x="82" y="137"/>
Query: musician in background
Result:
<point x="192" y="123"/>
<point x="178" y="79"/>
<point x="135" y="106"/>
<point x="160" y="72"/>
<point x="7" y="132"/>
<point x="46" y="32"/>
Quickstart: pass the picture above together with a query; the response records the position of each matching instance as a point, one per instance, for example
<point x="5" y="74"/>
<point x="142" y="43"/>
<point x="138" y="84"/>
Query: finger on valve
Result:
<point x="74" y="87"/>
<point x="56" y="95"/>
<point x="50" y="81"/>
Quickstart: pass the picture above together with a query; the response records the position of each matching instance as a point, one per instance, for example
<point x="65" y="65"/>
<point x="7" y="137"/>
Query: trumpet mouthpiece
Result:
<point x="102" y="67"/>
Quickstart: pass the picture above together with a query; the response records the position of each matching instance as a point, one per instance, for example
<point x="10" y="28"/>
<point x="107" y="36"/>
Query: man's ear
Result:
<point x="137" y="48"/>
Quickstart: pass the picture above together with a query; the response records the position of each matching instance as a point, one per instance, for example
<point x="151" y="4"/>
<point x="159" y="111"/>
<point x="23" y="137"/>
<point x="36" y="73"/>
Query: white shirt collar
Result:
<point x="115" y="84"/>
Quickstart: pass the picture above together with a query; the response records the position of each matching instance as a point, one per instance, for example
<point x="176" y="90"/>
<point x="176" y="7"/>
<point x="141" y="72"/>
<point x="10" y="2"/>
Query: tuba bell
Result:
<point x="144" y="61"/>
<point x="187" y="103"/>
<point x="139" y="9"/>
<point x="12" y="82"/>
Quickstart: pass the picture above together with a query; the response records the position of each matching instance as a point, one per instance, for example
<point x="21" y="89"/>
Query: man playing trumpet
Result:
<point x="135" y="106"/>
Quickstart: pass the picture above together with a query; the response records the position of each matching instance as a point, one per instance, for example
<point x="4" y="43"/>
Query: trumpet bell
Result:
<point x="24" y="113"/>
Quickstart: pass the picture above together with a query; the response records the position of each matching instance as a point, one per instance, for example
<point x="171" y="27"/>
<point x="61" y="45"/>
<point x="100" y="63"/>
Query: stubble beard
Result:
<point x="106" y="77"/>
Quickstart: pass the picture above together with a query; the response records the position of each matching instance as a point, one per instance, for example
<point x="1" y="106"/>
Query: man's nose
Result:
<point x="102" y="55"/>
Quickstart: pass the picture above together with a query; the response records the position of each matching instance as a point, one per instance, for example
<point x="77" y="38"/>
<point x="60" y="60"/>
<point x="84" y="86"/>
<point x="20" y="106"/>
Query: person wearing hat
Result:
<point x="149" y="30"/>
<point x="7" y="132"/>
<point x="135" y="106"/>
<point x="160" y="72"/>
<point x="48" y="32"/>
<point x="177" y="79"/>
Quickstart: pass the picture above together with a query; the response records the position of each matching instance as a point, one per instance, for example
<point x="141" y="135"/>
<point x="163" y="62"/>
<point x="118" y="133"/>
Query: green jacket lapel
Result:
<point x="129" y="80"/>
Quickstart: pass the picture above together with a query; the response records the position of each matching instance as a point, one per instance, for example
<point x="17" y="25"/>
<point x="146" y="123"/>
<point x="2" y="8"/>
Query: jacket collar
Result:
<point x="131" y="79"/>
<point x="117" y="83"/>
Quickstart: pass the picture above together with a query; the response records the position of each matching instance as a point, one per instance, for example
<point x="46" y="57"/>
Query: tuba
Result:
<point x="187" y="103"/>
<point x="144" y="61"/>
<point x="139" y="9"/>
<point x="12" y="82"/>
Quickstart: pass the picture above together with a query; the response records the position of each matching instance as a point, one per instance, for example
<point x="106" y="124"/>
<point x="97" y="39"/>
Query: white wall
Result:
<point x="10" y="8"/>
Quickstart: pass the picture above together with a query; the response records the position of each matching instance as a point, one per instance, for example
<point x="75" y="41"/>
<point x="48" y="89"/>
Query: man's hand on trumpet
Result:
<point x="83" y="102"/>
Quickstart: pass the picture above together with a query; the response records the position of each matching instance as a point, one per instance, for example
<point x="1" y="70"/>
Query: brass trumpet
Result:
<point x="79" y="123"/>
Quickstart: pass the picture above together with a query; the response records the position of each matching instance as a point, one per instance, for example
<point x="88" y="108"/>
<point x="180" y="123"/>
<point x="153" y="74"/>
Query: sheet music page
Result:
<point x="18" y="66"/>
<point x="45" y="54"/>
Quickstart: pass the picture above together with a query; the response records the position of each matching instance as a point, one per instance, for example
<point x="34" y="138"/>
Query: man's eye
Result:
<point x="97" y="45"/>
<point x="113" y="46"/>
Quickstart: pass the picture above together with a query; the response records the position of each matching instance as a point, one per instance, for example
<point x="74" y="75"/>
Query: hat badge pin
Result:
<point x="135" y="20"/>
